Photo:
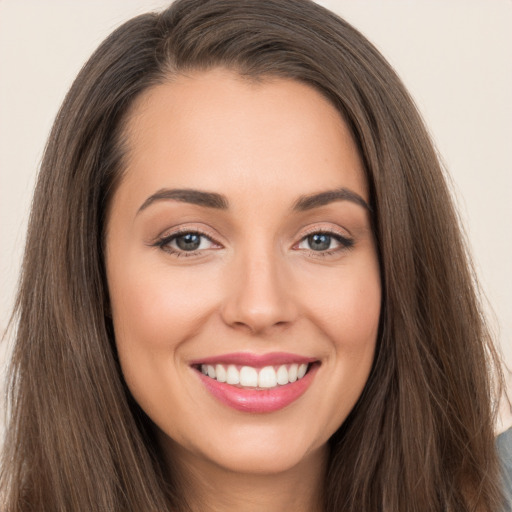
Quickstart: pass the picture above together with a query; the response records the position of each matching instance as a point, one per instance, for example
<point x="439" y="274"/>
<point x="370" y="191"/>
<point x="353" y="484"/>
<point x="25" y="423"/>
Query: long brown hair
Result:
<point x="420" y="437"/>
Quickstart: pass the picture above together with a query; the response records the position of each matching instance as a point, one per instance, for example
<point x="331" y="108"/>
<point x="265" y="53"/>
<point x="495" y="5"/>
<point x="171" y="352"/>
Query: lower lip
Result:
<point x="259" y="400"/>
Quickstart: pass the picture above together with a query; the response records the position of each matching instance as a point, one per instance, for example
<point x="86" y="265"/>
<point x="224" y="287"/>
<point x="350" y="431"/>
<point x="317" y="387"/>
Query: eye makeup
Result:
<point x="187" y="242"/>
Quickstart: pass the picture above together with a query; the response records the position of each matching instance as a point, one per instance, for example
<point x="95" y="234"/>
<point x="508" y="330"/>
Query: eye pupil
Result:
<point x="188" y="241"/>
<point x="319" y="241"/>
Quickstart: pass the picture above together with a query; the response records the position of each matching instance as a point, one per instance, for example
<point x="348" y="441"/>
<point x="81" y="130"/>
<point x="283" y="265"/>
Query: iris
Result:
<point x="188" y="241"/>
<point x="319" y="241"/>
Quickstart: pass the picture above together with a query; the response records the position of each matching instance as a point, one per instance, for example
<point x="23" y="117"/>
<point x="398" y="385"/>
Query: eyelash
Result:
<point x="164" y="242"/>
<point x="345" y="243"/>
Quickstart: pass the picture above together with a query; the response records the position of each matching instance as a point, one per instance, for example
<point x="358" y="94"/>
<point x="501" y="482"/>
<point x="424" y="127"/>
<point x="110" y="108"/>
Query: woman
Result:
<point x="244" y="284"/>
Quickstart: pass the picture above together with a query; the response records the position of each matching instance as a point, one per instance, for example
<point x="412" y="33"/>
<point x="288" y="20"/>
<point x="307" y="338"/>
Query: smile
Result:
<point x="250" y="377"/>
<point x="257" y="383"/>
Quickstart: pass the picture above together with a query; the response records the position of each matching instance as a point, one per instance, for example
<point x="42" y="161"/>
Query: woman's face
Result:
<point x="239" y="246"/>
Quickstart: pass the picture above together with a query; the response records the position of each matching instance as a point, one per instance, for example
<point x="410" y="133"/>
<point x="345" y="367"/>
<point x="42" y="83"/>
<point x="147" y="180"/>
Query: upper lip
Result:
<point x="255" y="360"/>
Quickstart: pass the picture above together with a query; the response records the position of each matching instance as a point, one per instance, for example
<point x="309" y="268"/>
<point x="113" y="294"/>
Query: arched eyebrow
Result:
<point x="185" y="195"/>
<point x="220" y="202"/>
<point x="308" y="202"/>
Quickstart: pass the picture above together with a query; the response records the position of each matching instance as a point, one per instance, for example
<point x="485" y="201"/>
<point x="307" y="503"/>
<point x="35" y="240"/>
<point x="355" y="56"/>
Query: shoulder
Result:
<point x="504" y="447"/>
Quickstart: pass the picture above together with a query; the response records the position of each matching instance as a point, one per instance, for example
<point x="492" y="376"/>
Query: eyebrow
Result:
<point x="185" y="195"/>
<point x="220" y="202"/>
<point x="309" y="202"/>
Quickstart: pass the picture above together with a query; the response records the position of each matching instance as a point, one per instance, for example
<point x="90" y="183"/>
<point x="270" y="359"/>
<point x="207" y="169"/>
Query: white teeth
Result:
<point x="221" y="373"/>
<point x="248" y="377"/>
<point x="232" y="375"/>
<point x="267" y="377"/>
<point x="264" y="378"/>
<point x="282" y="375"/>
<point x="292" y="372"/>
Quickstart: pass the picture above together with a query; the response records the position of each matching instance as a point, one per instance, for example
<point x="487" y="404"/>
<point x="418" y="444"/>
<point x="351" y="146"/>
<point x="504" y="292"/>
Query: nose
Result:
<point x="258" y="297"/>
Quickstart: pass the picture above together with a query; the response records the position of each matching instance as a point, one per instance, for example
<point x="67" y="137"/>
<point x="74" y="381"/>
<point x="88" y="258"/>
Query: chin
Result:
<point x="263" y="461"/>
<point x="262" y="450"/>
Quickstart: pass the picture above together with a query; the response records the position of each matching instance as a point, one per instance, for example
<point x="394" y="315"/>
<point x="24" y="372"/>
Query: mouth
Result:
<point x="249" y="377"/>
<point x="254" y="383"/>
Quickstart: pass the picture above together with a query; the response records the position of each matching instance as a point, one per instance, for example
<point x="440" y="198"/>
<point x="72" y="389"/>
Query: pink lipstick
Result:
<point x="257" y="383"/>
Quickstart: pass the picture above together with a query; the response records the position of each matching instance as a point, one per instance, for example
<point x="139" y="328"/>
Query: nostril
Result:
<point x="258" y="327"/>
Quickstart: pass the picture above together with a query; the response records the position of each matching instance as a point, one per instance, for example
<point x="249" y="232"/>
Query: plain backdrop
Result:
<point x="455" y="56"/>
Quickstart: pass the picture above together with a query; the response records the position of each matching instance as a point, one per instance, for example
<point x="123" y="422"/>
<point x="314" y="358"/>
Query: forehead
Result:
<point x="216" y="130"/>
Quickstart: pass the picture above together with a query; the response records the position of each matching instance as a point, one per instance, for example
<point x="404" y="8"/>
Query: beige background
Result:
<point x="454" y="56"/>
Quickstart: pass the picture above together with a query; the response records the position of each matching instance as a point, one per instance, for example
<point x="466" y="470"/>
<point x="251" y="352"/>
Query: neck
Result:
<point x="210" y="488"/>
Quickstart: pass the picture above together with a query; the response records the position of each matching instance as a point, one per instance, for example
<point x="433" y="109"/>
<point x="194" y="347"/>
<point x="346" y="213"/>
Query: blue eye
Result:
<point x="319" y="241"/>
<point x="185" y="242"/>
<point x="188" y="241"/>
<point x="322" y="242"/>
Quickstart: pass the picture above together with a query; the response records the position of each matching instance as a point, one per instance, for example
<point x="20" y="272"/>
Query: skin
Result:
<point x="256" y="287"/>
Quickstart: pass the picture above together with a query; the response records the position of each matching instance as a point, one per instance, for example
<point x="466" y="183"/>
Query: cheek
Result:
<point x="154" y="313"/>
<point x="157" y="307"/>
<point x="351" y="321"/>
<point x="348" y="307"/>
<point x="343" y="305"/>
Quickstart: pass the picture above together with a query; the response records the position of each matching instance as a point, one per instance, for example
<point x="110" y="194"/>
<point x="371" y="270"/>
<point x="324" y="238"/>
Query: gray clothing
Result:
<point x="504" y="446"/>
